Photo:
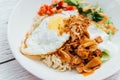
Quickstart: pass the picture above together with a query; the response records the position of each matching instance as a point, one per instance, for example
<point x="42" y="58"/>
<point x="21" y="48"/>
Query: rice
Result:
<point x="54" y="61"/>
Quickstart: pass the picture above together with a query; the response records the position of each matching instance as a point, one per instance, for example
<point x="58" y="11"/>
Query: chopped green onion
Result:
<point x="108" y="22"/>
<point x="55" y="4"/>
<point x="101" y="10"/>
<point x="96" y="17"/>
<point x="110" y="35"/>
<point x="80" y="9"/>
<point x="88" y="11"/>
<point x="89" y="16"/>
<point x="98" y="9"/>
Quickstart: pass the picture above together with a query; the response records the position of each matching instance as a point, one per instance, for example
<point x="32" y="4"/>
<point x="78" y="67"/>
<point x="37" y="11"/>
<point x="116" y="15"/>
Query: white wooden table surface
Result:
<point x="9" y="67"/>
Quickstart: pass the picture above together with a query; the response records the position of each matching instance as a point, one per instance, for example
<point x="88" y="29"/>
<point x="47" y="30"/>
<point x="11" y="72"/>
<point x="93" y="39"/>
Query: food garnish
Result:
<point x="105" y="55"/>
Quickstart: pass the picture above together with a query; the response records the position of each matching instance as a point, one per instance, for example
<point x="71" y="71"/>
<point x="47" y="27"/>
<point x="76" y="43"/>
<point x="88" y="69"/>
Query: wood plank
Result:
<point x="13" y="71"/>
<point x="10" y="70"/>
<point x="5" y="52"/>
<point x="6" y="6"/>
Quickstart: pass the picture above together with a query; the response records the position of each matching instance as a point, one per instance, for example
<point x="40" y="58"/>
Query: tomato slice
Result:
<point x="40" y="12"/>
<point x="50" y="12"/>
<point x="69" y="8"/>
<point x="46" y="7"/>
<point x="60" y="3"/>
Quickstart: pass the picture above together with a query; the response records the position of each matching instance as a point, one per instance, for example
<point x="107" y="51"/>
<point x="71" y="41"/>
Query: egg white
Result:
<point x="43" y="41"/>
<point x="94" y="31"/>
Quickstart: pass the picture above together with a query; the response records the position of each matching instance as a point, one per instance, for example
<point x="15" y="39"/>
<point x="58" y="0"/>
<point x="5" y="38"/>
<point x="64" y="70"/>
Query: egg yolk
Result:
<point x="57" y="24"/>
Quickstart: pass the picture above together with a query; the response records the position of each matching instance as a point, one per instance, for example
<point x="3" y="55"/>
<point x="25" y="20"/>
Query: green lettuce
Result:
<point x="105" y="55"/>
<point x="73" y="2"/>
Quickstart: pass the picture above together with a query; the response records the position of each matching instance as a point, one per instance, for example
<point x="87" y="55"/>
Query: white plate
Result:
<point x="21" y="21"/>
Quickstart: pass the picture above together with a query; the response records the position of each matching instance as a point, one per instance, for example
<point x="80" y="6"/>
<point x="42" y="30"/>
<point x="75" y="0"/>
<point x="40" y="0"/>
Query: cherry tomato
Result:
<point x="47" y="7"/>
<point x="50" y="12"/>
<point x="50" y="7"/>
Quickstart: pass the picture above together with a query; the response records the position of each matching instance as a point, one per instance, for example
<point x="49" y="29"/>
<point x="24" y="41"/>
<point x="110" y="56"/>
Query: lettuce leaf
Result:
<point x="105" y="55"/>
<point x="72" y="2"/>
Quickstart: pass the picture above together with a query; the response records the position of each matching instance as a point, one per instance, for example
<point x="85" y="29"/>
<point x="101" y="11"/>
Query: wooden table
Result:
<point x="9" y="67"/>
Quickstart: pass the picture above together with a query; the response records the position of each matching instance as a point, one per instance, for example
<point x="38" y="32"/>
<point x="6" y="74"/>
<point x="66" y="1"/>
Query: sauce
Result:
<point x="88" y="73"/>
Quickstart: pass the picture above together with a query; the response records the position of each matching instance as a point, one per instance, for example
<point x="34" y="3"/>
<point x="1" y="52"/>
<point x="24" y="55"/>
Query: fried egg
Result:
<point x="48" y="36"/>
<point x="94" y="31"/>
